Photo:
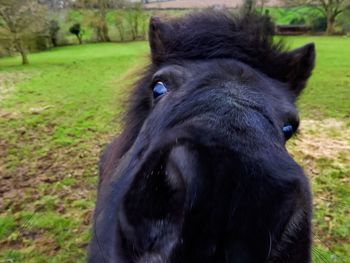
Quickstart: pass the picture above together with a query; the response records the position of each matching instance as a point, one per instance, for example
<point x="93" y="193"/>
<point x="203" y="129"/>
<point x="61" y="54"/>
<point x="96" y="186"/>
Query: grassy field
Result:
<point x="57" y="113"/>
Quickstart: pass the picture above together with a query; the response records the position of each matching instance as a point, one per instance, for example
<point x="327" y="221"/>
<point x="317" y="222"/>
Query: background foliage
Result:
<point x="57" y="113"/>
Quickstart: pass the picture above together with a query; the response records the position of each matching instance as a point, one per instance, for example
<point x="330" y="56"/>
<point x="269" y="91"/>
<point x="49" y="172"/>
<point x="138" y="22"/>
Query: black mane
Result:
<point x="219" y="34"/>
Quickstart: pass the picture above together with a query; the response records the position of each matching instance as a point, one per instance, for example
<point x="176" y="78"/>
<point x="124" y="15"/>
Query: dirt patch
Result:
<point x="23" y="187"/>
<point x="8" y="82"/>
<point x="328" y="139"/>
<point x="56" y="181"/>
<point x="322" y="148"/>
<point x="19" y="186"/>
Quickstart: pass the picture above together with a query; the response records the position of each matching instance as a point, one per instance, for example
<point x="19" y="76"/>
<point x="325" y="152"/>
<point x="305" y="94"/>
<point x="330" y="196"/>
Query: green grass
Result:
<point x="328" y="91"/>
<point x="326" y="100"/>
<point x="65" y="106"/>
<point x="52" y="128"/>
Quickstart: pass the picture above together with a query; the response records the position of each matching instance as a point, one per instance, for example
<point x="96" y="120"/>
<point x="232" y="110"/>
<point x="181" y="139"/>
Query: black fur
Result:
<point x="202" y="174"/>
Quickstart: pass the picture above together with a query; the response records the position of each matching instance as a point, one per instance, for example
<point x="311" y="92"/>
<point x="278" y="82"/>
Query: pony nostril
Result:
<point x="213" y="249"/>
<point x="173" y="169"/>
<point x="173" y="175"/>
<point x="181" y="166"/>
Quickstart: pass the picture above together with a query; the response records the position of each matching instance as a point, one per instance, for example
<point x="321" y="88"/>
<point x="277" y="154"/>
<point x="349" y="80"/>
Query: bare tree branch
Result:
<point x="22" y="19"/>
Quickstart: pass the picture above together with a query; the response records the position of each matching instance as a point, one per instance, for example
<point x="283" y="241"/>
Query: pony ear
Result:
<point x="156" y="39"/>
<point x="301" y="64"/>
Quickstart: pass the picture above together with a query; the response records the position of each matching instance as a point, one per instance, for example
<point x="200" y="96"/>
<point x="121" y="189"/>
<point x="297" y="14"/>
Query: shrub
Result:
<point x="297" y="21"/>
<point x="41" y="43"/>
<point x="135" y="17"/>
<point x="120" y="25"/>
<point x="53" y="30"/>
<point x="319" y="24"/>
<point x="76" y="30"/>
<point x="346" y="29"/>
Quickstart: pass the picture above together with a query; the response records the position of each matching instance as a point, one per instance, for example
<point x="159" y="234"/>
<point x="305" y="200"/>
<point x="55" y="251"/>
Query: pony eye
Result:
<point x="288" y="131"/>
<point x="159" y="89"/>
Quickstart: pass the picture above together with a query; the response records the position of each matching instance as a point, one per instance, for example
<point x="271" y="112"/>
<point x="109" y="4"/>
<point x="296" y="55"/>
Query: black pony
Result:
<point x="201" y="172"/>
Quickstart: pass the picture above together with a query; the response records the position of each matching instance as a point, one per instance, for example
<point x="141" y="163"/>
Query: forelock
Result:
<point x="220" y="34"/>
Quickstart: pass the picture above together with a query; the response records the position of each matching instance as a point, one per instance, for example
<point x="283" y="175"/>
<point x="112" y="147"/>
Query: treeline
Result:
<point x="311" y="18"/>
<point x="31" y="25"/>
<point x="35" y="25"/>
<point x="116" y="25"/>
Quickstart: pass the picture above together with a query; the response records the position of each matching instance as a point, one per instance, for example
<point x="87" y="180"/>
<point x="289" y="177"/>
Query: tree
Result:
<point x="262" y="4"/>
<point x="135" y="18"/>
<point x="119" y="23"/>
<point x="76" y="30"/>
<point x="93" y="4"/>
<point x="100" y="25"/>
<point x="101" y="17"/>
<point x="329" y="8"/>
<point x="248" y="6"/>
<point x="22" y="20"/>
<point x="55" y="4"/>
<point x="53" y="30"/>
